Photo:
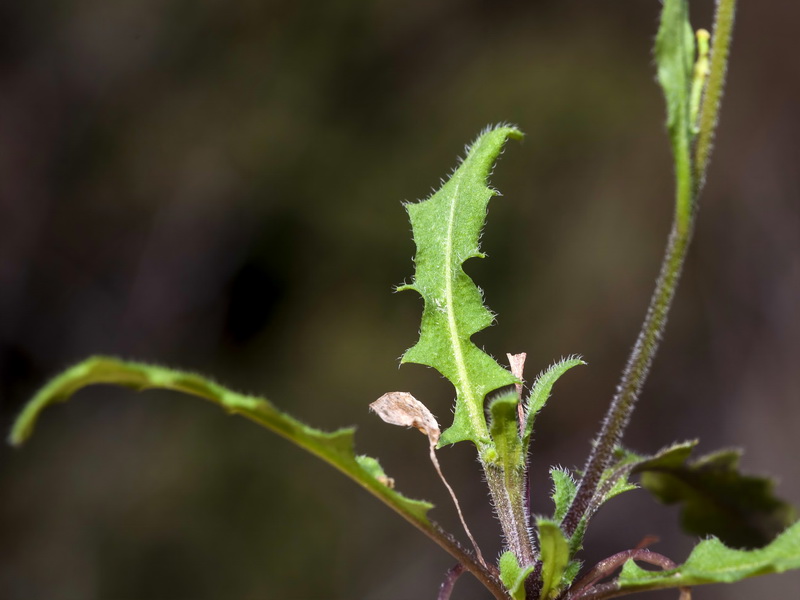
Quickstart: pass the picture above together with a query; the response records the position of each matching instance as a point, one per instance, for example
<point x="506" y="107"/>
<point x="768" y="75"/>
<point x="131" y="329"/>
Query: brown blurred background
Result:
<point x="217" y="186"/>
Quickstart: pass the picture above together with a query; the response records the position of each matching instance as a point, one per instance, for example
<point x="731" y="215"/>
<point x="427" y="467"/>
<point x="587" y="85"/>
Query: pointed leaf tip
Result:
<point x="540" y="391"/>
<point x="554" y="549"/>
<point x="335" y="448"/>
<point x="564" y="488"/>
<point x="447" y="228"/>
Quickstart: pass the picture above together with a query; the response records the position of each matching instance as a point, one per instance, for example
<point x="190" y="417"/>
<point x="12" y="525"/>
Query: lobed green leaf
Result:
<point x="447" y="228"/>
<point x="335" y="448"/>
<point x="716" y="498"/>
<point x="713" y="562"/>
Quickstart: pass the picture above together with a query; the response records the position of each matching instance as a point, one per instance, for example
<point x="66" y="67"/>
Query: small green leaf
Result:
<point x="668" y="457"/>
<point x="564" y="488"/>
<point x="504" y="465"/>
<point x="540" y="391"/>
<point x="615" y="478"/>
<point x="713" y="562"/>
<point x="674" y="55"/>
<point x="513" y="576"/>
<point x="613" y="482"/>
<point x="576" y="541"/>
<point x="570" y="573"/>
<point x="619" y="486"/>
<point x="555" y="557"/>
<point x="741" y="510"/>
<point x="675" y="59"/>
<point x="447" y="228"/>
<point x="335" y="448"/>
<point x="504" y="428"/>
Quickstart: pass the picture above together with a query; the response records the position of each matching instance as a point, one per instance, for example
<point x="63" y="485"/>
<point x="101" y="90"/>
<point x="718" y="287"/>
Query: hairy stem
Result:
<point x="633" y="377"/>
<point x="605" y="591"/>
<point x="690" y="178"/>
<point x="449" y="582"/>
<point x="588" y="588"/>
<point x="605" y="568"/>
<point x="508" y="496"/>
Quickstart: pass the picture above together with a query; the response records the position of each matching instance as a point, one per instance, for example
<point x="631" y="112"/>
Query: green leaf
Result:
<point x="540" y="391"/>
<point x="619" y="486"/>
<point x="564" y="488"/>
<point x="674" y="55"/>
<point x="576" y="541"/>
<point x="615" y="478"/>
<point x="741" y="510"/>
<point x="713" y="562"/>
<point x="555" y="556"/>
<point x="613" y="482"/>
<point x="335" y="448"/>
<point x="504" y="428"/>
<point x="675" y="59"/>
<point x="513" y="576"/>
<point x="570" y="573"/>
<point x="668" y="457"/>
<point x="447" y="228"/>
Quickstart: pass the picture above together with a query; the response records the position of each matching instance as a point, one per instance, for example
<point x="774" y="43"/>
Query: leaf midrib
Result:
<point x="458" y="354"/>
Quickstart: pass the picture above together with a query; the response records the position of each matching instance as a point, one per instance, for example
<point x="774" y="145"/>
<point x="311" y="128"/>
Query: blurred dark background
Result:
<point x="217" y="186"/>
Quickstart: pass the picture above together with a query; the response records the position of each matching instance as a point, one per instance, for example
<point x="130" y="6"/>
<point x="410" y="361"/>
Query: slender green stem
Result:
<point x="690" y="175"/>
